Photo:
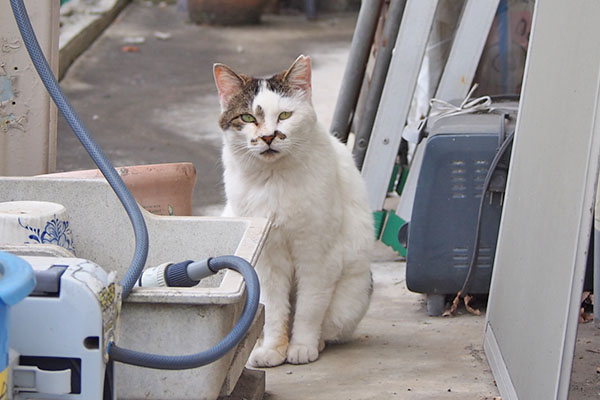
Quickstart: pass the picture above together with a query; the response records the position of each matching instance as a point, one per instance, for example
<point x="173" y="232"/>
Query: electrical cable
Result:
<point x="471" y="272"/>
<point x="139" y="226"/>
<point x="114" y="179"/>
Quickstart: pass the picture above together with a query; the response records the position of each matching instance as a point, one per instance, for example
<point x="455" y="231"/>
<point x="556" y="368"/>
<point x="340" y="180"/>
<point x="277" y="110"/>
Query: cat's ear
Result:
<point x="228" y="83"/>
<point x="299" y="74"/>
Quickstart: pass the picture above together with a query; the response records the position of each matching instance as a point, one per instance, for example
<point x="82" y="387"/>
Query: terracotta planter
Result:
<point x="162" y="189"/>
<point x="226" y="12"/>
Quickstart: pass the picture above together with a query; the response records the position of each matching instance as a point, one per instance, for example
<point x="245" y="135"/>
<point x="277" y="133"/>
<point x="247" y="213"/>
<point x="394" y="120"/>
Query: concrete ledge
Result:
<point x="251" y="386"/>
<point x="231" y="385"/>
<point x="77" y="37"/>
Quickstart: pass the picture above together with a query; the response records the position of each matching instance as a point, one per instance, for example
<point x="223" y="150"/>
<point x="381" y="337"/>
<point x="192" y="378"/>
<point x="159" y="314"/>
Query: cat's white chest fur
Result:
<point x="296" y="195"/>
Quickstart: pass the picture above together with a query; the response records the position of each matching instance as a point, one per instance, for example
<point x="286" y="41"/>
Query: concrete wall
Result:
<point x="27" y="115"/>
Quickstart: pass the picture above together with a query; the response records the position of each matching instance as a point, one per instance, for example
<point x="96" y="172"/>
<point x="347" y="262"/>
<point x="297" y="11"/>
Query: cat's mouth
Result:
<point x="269" y="152"/>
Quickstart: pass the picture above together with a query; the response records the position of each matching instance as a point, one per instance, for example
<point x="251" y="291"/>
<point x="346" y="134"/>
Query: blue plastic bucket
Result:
<point x="16" y="282"/>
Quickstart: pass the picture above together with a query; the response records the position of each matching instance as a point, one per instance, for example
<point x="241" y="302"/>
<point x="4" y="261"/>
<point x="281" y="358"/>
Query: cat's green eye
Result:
<point x="248" y="118"/>
<point x="285" y="115"/>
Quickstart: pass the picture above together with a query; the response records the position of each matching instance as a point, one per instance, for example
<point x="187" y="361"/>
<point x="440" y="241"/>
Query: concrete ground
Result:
<point x="146" y="92"/>
<point x="399" y="353"/>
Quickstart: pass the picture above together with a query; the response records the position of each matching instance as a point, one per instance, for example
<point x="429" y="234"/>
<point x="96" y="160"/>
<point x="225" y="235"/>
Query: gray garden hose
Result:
<point x="220" y="349"/>
<point x="139" y="226"/>
<point x="109" y="172"/>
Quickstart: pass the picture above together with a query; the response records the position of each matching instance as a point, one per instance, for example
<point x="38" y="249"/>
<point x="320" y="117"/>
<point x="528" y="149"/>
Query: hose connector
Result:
<point x="199" y="270"/>
<point x="184" y="274"/>
<point x="154" y="277"/>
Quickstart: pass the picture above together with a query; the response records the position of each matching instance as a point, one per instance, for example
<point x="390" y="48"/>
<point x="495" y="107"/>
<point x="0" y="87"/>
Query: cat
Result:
<point x="279" y="163"/>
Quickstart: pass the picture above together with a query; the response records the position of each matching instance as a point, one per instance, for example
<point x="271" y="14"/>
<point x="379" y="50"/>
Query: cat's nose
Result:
<point x="268" y="139"/>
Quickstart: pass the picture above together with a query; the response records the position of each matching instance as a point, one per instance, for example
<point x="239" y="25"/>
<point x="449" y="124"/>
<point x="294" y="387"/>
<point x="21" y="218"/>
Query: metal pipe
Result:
<point x="355" y="68"/>
<point x="382" y="63"/>
<point x="503" y="43"/>
<point x="310" y="9"/>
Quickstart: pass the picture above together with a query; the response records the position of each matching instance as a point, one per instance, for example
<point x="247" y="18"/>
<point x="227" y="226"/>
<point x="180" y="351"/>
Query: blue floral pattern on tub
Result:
<point x="55" y="232"/>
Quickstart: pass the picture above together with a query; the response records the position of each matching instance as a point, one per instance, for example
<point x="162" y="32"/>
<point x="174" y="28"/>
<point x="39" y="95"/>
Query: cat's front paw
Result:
<point x="266" y="357"/>
<point x="302" y="353"/>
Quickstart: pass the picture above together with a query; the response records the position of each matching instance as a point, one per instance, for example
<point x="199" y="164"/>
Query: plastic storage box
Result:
<point x="441" y="234"/>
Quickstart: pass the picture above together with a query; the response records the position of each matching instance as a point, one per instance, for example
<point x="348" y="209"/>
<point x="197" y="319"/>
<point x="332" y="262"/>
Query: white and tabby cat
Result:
<point x="281" y="164"/>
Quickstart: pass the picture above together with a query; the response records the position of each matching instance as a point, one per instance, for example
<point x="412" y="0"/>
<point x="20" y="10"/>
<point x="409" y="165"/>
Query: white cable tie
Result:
<point x="441" y="108"/>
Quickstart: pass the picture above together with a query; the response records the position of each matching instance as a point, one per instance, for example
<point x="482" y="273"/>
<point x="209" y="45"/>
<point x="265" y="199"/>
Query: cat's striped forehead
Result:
<point x="243" y="101"/>
<point x="254" y="86"/>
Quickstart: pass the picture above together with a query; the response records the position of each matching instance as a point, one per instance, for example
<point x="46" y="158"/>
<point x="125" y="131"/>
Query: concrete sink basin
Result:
<point x="171" y="321"/>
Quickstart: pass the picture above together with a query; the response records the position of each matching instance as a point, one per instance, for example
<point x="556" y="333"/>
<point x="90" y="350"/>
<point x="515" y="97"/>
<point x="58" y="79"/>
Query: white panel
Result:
<point x="27" y="115"/>
<point x="501" y="375"/>
<point x="405" y="204"/>
<point x="396" y="97"/>
<point x="544" y="234"/>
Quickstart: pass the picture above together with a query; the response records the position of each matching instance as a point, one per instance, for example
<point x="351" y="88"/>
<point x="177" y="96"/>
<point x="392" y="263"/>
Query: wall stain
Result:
<point x="11" y="121"/>
<point x="9" y="45"/>
<point x="7" y="93"/>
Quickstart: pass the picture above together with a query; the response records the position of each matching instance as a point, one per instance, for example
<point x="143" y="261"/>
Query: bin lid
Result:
<point x="16" y="279"/>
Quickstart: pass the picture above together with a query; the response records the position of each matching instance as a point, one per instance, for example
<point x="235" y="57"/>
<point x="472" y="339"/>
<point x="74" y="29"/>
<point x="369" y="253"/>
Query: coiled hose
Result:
<point x="139" y="225"/>
<point x="220" y="349"/>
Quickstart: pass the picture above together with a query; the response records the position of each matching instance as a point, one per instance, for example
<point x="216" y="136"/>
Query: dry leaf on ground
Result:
<point x="469" y="308"/>
<point x="452" y="310"/>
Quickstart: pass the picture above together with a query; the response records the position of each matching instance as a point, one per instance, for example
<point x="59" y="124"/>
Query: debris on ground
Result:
<point x="134" y="40"/>
<point x="456" y="302"/>
<point x="470" y="309"/>
<point x="586" y="312"/>
<point x="452" y="310"/>
<point x="130" y="49"/>
<point x="162" y="35"/>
